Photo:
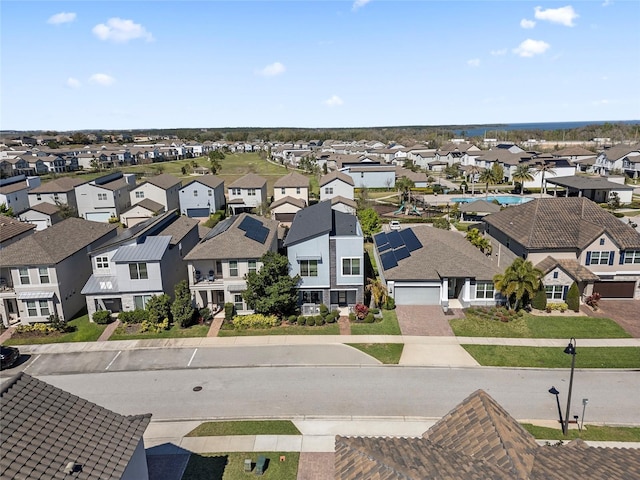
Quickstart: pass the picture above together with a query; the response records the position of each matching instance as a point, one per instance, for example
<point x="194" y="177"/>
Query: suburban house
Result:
<point x="144" y="260"/>
<point x="597" y="189"/>
<point x="162" y="189"/>
<point x="294" y="185"/>
<point x="14" y="192"/>
<point x="374" y="176"/>
<point x="49" y="433"/>
<point x="247" y="193"/>
<point x="105" y="197"/>
<point x="419" y="179"/>
<point x="623" y="158"/>
<point x="57" y="191"/>
<point x="326" y="248"/>
<point x="336" y="184"/>
<point x="583" y="239"/>
<point x="43" y="273"/>
<point x="478" y="439"/>
<point x="202" y="196"/>
<point x="285" y="208"/>
<point x="42" y="215"/>
<point x="141" y="211"/>
<point x="218" y="264"/>
<point x="345" y="205"/>
<point x="12" y="230"/>
<point x="430" y="266"/>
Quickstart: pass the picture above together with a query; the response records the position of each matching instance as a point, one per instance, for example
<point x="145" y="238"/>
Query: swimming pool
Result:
<point x="502" y="199"/>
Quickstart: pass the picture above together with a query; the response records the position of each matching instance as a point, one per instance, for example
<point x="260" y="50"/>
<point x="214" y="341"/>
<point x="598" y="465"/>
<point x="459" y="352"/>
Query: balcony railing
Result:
<point x="209" y="276"/>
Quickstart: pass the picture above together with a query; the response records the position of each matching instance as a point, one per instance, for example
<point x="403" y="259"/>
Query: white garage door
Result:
<point x="98" y="216"/>
<point x="417" y="295"/>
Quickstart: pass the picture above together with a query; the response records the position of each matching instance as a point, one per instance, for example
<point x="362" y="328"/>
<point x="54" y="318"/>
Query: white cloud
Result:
<point x="606" y="3"/>
<point x="73" y="83"/>
<point x="604" y="101"/>
<point x="102" y="79"/>
<point x="525" y="23"/>
<point x="334" y="101"/>
<point x="62" y="17"/>
<point x="119" y="30"/>
<point x="474" y="62"/>
<point x="272" y="70"/>
<point x="497" y="53"/>
<point x="563" y="15"/>
<point x="529" y="48"/>
<point x="359" y="4"/>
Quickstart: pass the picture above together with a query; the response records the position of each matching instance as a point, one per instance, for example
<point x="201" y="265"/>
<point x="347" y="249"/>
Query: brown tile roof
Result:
<point x="330" y="177"/>
<point x="59" y="185"/>
<point x="250" y="180"/>
<point x="293" y="179"/>
<point x="12" y="227"/>
<point x="164" y="181"/>
<point x="208" y="180"/>
<point x="567" y="223"/>
<point x="226" y="240"/>
<point x="54" y="244"/>
<point x="443" y="254"/>
<point x="578" y="272"/>
<point x="44" y="428"/>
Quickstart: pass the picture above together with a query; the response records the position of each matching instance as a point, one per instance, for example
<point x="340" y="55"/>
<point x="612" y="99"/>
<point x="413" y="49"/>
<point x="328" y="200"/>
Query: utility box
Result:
<point x="247" y="465"/>
<point x="260" y="465"/>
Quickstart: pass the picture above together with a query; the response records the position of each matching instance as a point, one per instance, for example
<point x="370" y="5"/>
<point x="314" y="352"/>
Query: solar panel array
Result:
<point x="254" y="229"/>
<point x="395" y="246"/>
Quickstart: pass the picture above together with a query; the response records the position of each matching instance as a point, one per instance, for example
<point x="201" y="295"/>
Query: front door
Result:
<point x="455" y="287"/>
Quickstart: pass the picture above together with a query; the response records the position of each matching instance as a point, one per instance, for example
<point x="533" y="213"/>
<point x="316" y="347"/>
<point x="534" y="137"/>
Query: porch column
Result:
<point x="466" y="292"/>
<point x="209" y="299"/>
<point x="444" y="292"/>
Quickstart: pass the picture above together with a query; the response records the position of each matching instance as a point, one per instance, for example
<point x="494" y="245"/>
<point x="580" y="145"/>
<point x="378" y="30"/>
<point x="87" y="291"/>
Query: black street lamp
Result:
<point x="570" y="350"/>
<point x="554" y="391"/>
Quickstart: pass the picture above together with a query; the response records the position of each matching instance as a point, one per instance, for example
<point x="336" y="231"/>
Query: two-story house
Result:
<point x="163" y="189"/>
<point x="247" y="193"/>
<point x="43" y="215"/>
<point x="43" y="274"/>
<point x="620" y="157"/>
<point x="326" y="248"/>
<point x="14" y="192"/>
<point x="336" y="184"/>
<point x="59" y="191"/>
<point x="233" y="248"/>
<point x="105" y="197"/>
<point x="12" y="230"/>
<point x="290" y="194"/>
<point x="202" y="196"/>
<point x="571" y="239"/>
<point x="144" y="260"/>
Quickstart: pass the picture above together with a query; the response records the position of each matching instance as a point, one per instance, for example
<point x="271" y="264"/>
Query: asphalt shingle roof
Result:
<point x="58" y="185"/>
<point x="43" y="428"/>
<point x="250" y="180"/>
<point x="12" y="227"/>
<point x="208" y="180"/>
<point x="336" y="175"/>
<point x="582" y="182"/>
<point x="310" y="222"/>
<point x="46" y="208"/>
<point x="164" y="181"/>
<point x="293" y="179"/>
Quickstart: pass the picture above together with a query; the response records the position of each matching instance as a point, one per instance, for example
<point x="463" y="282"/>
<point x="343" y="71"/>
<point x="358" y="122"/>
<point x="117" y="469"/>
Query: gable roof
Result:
<point x="58" y="185"/>
<point x="294" y="179"/>
<point x="567" y="223"/>
<point x="46" y="208"/>
<point x="581" y="182"/>
<point x="14" y="187"/>
<point x="148" y="204"/>
<point x="347" y="201"/>
<point x="54" y="244"/>
<point x="297" y="202"/>
<point x="44" y="428"/>
<point x="250" y="180"/>
<point x="12" y="227"/>
<point x="310" y="222"/>
<point x="578" y="272"/>
<point x="212" y="181"/>
<point x="479" y="206"/>
<point x="330" y="177"/>
<point x="164" y="181"/>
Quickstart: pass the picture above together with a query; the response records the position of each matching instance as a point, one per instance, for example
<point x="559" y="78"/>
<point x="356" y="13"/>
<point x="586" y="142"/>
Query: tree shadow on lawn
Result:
<point x="202" y="467"/>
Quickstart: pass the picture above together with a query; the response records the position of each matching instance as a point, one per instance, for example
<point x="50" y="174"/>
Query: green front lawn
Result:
<point x="595" y="433"/>
<point x="387" y="353"/>
<point x="531" y="326"/>
<point x="554" y="357"/>
<point x="227" y="330"/>
<point x="83" y="331"/>
<point x="245" y="427"/>
<point x="230" y="466"/>
<point x="129" y="333"/>
<point x="387" y="326"/>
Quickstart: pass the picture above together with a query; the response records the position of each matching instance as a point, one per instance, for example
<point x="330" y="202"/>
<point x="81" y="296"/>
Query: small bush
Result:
<point x="311" y="321"/>
<point x="323" y="309"/>
<point x="102" y="317"/>
<point x="255" y="320"/>
<point x="369" y="318"/>
<point x="229" y="311"/>
<point x="292" y="319"/>
<point x="557" y="306"/>
<point x="58" y="323"/>
<point x="375" y="311"/>
<point x="39" y="328"/>
<point x="573" y="297"/>
<point x="331" y="318"/>
<point x="539" y="301"/>
<point x="352" y="317"/>
<point x="319" y="319"/>
<point x="135" y="316"/>
<point x="302" y="320"/>
<point x="205" y="314"/>
<point x="361" y="311"/>
<point x="390" y="304"/>
<point x="154" y="327"/>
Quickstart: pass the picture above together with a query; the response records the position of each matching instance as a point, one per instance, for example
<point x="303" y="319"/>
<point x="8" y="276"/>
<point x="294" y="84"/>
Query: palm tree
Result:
<point x="378" y="291"/>
<point x="487" y="177"/>
<point x="522" y="174"/>
<point x="519" y="282"/>
<point x="545" y="168"/>
<point x="404" y="186"/>
<point x="472" y="172"/>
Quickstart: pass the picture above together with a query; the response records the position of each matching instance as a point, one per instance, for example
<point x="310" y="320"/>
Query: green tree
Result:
<point x="473" y="172"/>
<point x="478" y="240"/>
<point x="545" y="168"/>
<point x="271" y="290"/>
<point x="539" y="301"/>
<point x="487" y="176"/>
<point x="182" y="309"/>
<point x="66" y="210"/>
<point x="522" y="174"/>
<point x="159" y="308"/>
<point x="369" y="221"/>
<point x="498" y="172"/>
<point x="519" y="283"/>
<point x="6" y="211"/>
<point x="215" y="164"/>
<point x="404" y="186"/>
<point x="573" y="297"/>
<point x="452" y="171"/>
<point x="378" y="291"/>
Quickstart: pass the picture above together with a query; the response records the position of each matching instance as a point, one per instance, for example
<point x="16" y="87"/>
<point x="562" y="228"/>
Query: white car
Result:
<point x="394" y="225"/>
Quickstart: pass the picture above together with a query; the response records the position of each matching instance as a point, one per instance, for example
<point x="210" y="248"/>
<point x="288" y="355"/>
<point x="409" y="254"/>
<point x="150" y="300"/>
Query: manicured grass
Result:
<point x="387" y="353"/>
<point x="387" y="326"/>
<point x="462" y="227"/>
<point x="328" y="329"/>
<point x="554" y="357"/>
<point x="245" y="427"/>
<point x="230" y="466"/>
<point x="589" y="432"/>
<point x="531" y="326"/>
<point x="85" y="331"/>
<point x="174" y="332"/>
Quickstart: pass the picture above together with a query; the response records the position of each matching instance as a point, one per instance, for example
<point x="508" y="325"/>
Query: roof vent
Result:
<point x="72" y="467"/>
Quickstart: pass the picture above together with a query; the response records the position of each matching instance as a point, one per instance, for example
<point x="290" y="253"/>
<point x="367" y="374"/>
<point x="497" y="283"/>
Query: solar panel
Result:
<point x="258" y="234"/>
<point x="410" y="239"/>
<point x="380" y="239"/>
<point x="401" y="253"/>
<point x="248" y="223"/>
<point x="384" y="248"/>
<point x="388" y="260"/>
<point x="395" y="239"/>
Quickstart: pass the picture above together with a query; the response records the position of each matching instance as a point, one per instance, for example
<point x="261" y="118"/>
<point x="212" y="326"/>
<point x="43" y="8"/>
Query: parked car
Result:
<point x="395" y="225"/>
<point x="8" y="356"/>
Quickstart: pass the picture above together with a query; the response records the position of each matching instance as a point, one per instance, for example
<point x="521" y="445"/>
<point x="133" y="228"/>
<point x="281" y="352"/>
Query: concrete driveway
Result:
<point x="625" y="312"/>
<point x="425" y="320"/>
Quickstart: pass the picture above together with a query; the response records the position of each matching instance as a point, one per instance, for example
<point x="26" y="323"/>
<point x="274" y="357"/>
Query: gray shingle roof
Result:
<point x="164" y="181"/>
<point x="46" y="208"/>
<point x="329" y="177"/>
<point x="310" y="222"/>
<point x="250" y="180"/>
<point x="12" y="227"/>
<point x="298" y="202"/>
<point x="208" y="180"/>
<point x="14" y="187"/>
<point x="59" y="185"/>
<point x="582" y="182"/>
<point x="44" y="428"/>
<point x="148" y="204"/>
<point x="54" y="244"/>
<point x="180" y="228"/>
<point x="293" y="179"/>
<point x="481" y="206"/>
<point x="567" y="223"/>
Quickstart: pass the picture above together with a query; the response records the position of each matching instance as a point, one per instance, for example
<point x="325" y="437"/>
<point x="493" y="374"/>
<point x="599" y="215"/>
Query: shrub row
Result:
<point x="102" y="317"/>
<point x="255" y="320"/>
<point x="39" y="328"/>
<point x="135" y="316"/>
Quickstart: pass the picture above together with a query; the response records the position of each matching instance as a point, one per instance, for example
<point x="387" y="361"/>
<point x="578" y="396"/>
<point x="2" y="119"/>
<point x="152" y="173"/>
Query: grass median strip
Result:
<point x="387" y="353"/>
<point x="82" y="330"/>
<point x="245" y="427"/>
<point x="230" y="466"/>
<point x="596" y="433"/>
<point x="554" y="357"/>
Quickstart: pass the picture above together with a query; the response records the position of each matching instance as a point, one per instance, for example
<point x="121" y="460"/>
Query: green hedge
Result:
<point x="102" y="317"/>
<point x="255" y="320"/>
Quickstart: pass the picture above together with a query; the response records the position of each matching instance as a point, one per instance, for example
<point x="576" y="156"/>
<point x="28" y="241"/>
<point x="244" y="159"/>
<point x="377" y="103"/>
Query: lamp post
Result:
<point x="554" y="391"/>
<point x="570" y="350"/>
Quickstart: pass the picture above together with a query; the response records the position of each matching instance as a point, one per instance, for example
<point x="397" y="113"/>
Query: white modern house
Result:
<point x="105" y="197"/>
<point x="202" y="196"/>
<point x="247" y="193"/>
<point x="14" y="192"/>
<point x="336" y="184"/>
<point x="162" y="189"/>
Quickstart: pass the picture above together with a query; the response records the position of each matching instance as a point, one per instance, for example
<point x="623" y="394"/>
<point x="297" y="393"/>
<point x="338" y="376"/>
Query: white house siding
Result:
<point x="169" y="198"/>
<point x="68" y="198"/>
<point x="134" y="216"/>
<point x="253" y="201"/>
<point x="18" y="200"/>
<point x="291" y="192"/>
<point x="205" y="198"/>
<point x="336" y="188"/>
<point x="373" y="179"/>
<point x="537" y="176"/>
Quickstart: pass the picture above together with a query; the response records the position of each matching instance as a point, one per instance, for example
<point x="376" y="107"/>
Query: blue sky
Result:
<point x="172" y="64"/>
